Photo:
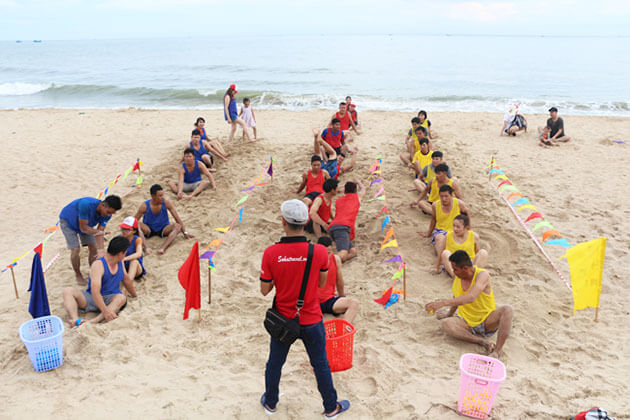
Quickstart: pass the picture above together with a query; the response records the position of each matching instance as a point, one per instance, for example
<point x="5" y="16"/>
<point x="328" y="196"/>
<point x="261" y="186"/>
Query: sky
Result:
<point x="105" y="19"/>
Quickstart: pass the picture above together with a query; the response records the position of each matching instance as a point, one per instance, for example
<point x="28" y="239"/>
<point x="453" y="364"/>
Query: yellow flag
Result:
<point x="390" y="243"/>
<point x="388" y="235"/>
<point x="586" y="263"/>
<point x="223" y="230"/>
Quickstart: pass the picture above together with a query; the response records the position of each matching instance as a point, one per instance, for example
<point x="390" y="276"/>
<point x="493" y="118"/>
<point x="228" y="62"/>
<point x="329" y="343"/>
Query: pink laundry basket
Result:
<point x="481" y="377"/>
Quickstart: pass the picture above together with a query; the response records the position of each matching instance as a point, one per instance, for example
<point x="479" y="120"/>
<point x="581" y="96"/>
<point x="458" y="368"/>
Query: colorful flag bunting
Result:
<point x="562" y="242"/>
<point x="385" y="297"/>
<point x="388" y="235"/>
<point x="379" y="192"/>
<point x="241" y="201"/>
<point x="216" y="242"/>
<point x="550" y="233"/>
<point x="391" y="243"/>
<point x="385" y="222"/>
<point x="514" y="194"/>
<point x="542" y="224"/>
<point x="207" y="255"/>
<point x="392" y="299"/>
<point x="508" y="188"/>
<point x="520" y="202"/>
<point x="240" y="216"/>
<point x="139" y="180"/>
<point x="397" y="258"/>
<point x="384" y="209"/>
<point x="526" y="206"/>
<point x="222" y="230"/>
<point x="374" y="181"/>
<point x="270" y="170"/>
<point x="500" y="177"/>
<point x="533" y="216"/>
<point x="506" y="182"/>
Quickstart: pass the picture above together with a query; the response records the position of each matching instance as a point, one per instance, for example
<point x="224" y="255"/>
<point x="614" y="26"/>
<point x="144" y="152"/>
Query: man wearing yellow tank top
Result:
<point x="432" y="190"/>
<point x="461" y="237"/>
<point x="473" y="315"/>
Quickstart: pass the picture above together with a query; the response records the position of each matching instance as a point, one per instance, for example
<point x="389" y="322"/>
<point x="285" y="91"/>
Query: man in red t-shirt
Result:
<point x="313" y="180"/>
<point x="330" y="303"/>
<point x="341" y="229"/>
<point x="344" y="118"/>
<point x="282" y="267"/>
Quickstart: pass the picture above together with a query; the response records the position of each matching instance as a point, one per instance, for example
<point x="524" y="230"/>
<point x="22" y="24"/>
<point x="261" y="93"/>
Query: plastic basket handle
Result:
<point x="481" y="382"/>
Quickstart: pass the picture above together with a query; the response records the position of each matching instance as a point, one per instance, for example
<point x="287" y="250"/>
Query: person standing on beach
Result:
<point x="283" y="266"/>
<point x="230" y="112"/>
<point x="247" y="113"/>
<point x="555" y="125"/>
<point x="189" y="177"/>
<point x="155" y="221"/>
<point x="313" y="180"/>
<point x="103" y="292"/>
<point x="341" y="228"/>
<point x="214" y="146"/>
<point x="77" y="221"/>
<point x="473" y="315"/>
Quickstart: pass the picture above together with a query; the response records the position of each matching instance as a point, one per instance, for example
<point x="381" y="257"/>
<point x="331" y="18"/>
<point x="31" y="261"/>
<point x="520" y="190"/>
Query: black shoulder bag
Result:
<point x="278" y="326"/>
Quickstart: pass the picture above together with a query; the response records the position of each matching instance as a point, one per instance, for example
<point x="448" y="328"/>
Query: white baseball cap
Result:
<point x="294" y="211"/>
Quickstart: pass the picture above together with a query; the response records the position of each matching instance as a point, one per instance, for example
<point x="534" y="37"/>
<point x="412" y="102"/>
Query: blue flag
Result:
<point x="385" y="223"/>
<point x="38" y="305"/>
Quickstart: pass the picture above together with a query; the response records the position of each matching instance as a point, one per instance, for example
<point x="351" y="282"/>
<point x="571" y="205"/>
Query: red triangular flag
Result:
<point x="382" y="210"/>
<point x="136" y="166"/>
<point x="385" y="298"/>
<point x="38" y="249"/>
<point x="534" y="215"/>
<point x="190" y="280"/>
<point x="504" y="183"/>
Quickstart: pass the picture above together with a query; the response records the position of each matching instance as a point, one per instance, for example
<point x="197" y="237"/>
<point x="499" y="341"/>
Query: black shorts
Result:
<point x="159" y="233"/>
<point x="340" y="235"/>
<point x="327" y="306"/>
<point x="338" y="150"/>
<point x="311" y="196"/>
<point x="309" y="227"/>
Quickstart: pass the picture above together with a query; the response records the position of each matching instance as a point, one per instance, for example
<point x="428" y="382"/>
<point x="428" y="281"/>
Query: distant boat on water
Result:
<point x="18" y="41"/>
<point x="37" y="40"/>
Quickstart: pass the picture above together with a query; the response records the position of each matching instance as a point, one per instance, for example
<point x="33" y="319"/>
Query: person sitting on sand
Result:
<point x="77" y="221"/>
<point x="283" y="266"/>
<point x="330" y="303"/>
<point x="332" y="162"/>
<point x="461" y="237"/>
<point x="423" y="157"/>
<point x="341" y="229"/>
<point x="352" y="110"/>
<point x="215" y="147"/>
<point x="443" y="213"/>
<point x="103" y="292"/>
<point x="155" y="221"/>
<point x="440" y="179"/>
<point x="543" y="136"/>
<point x="344" y="118"/>
<point x="313" y="180"/>
<point x="513" y="122"/>
<point x="200" y="148"/>
<point x="133" y="257"/>
<point x="320" y="211"/>
<point x="556" y="127"/>
<point x="412" y="142"/>
<point x="428" y="172"/>
<point x="189" y="177"/>
<point x="426" y="123"/>
<point x="473" y="315"/>
<point x="333" y="135"/>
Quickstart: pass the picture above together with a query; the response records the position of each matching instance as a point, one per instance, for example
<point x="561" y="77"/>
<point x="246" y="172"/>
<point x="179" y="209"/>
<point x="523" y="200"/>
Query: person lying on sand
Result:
<point x="189" y="177"/>
<point x="341" y="229"/>
<point x="461" y="237"/>
<point x="473" y="315"/>
<point x="155" y="221"/>
<point x="330" y="303"/>
<point x="103" y="293"/>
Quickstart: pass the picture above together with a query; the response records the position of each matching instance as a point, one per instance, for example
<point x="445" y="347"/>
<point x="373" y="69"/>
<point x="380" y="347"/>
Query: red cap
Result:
<point x="129" y="223"/>
<point x="233" y="86"/>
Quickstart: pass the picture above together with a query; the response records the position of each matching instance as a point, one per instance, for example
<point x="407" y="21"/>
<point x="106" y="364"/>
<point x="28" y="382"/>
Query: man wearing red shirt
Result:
<point x="282" y="267"/>
<point x="313" y="180"/>
<point x="330" y="303"/>
<point x="341" y="229"/>
<point x="320" y="211"/>
<point x="344" y="118"/>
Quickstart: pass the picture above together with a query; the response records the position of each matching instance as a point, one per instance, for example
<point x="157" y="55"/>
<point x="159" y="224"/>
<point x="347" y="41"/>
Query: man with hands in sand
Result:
<point x="77" y="222"/>
<point x="473" y="315"/>
<point x="313" y="180"/>
<point x="155" y="221"/>
<point x="341" y="228"/>
<point x="103" y="292"/>
<point x="189" y="177"/>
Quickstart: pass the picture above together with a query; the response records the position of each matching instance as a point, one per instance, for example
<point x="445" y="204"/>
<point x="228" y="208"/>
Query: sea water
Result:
<point x="579" y="75"/>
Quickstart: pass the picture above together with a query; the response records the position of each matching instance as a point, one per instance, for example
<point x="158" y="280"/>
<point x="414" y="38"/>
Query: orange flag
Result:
<point x="388" y="235"/>
<point x="189" y="278"/>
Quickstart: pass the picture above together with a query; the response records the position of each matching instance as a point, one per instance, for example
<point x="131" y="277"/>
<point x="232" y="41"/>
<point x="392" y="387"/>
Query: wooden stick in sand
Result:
<point x="14" y="284"/>
<point x="596" y="314"/>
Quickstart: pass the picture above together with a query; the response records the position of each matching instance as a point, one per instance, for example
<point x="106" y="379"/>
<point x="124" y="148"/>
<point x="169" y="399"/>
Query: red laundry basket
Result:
<point x="339" y="343"/>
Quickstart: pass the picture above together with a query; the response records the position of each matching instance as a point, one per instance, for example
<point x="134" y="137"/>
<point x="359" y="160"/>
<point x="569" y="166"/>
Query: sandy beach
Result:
<point x="150" y="363"/>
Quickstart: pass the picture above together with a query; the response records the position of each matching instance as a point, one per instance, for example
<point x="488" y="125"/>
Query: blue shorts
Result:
<point x="437" y="232"/>
<point x="327" y="306"/>
<point x="480" y="329"/>
<point x="91" y="306"/>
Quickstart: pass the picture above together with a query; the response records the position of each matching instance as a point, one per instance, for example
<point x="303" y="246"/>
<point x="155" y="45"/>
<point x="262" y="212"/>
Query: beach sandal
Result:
<point x="268" y="410"/>
<point x="78" y="322"/>
<point x="343" y="405"/>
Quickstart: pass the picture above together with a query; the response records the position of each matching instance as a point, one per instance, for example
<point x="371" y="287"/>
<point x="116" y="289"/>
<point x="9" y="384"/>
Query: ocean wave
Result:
<point x="19" y="88"/>
<point x="43" y="95"/>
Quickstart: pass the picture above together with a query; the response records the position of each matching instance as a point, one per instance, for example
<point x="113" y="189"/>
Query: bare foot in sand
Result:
<point x="187" y="197"/>
<point x="80" y="280"/>
<point x="211" y="170"/>
<point x="435" y="271"/>
<point x="160" y="251"/>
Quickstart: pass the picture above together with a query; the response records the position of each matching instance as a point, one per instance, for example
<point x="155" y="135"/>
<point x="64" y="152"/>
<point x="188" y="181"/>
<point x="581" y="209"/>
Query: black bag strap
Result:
<point x="307" y="271"/>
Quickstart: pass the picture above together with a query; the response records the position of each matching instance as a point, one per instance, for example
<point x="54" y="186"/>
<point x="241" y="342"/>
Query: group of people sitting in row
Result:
<point x="549" y="135"/>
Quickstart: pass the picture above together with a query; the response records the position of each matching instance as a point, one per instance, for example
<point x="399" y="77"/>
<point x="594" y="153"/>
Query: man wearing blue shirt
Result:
<point x="77" y="221"/>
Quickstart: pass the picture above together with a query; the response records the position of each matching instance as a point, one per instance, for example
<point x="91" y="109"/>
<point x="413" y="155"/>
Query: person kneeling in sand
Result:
<point x="103" y="292"/>
<point x="473" y="315"/>
<point x="329" y="302"/>
<point x="189" y="177"/>
<point x="155" y="221"/>
<point x="461" y="237"/>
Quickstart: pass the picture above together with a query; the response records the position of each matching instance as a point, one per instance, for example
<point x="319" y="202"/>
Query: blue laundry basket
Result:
<point x="43" y="339"/>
